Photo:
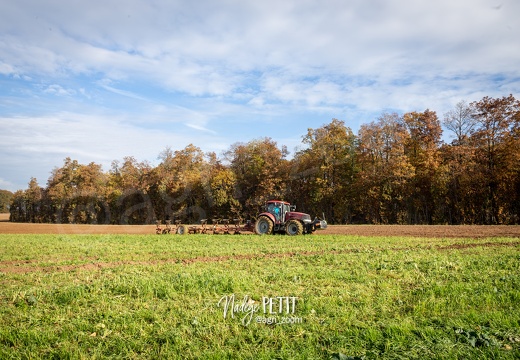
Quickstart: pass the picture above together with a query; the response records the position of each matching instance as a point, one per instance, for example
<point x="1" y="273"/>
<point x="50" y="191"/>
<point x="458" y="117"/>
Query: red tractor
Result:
<point x="281" y="217"/>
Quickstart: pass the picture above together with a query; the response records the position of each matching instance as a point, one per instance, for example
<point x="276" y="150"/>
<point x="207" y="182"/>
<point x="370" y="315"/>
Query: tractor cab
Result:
<point x="279" y="210"/>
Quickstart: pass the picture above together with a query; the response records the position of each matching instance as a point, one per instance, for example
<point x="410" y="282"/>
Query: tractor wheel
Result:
<point x="182" y="230"/>
<point x="294" y="227"/>
<point x="263" y="226"/>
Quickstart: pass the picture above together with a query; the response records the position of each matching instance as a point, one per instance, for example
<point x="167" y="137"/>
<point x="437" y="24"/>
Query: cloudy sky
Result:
<point x="100" y="80"/>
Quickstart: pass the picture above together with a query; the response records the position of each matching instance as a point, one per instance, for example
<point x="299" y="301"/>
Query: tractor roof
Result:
<point x="278" y="201"/>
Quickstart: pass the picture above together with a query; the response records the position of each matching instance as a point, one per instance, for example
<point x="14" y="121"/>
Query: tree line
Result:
<point x="396" y="170"/>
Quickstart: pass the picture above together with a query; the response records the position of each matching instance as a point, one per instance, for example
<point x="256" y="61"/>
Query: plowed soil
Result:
<point x="445" y="231"/>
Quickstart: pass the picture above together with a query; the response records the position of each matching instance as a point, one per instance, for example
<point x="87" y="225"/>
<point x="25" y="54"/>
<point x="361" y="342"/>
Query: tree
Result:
<point x="28" y="205"/>
<point x="76" y="193"/>
<point x="18" y="208"/>
<point x="33" y="199"/>
<point x="5" y="200"/>
<point x="261" y="172"/>
<point x="495" y="139"/>
<point x="220" y="183"/>
<point x="384" y="182"/>
<point x="177" y="184"/>
<point x="463" y="183"/>
<point x="460" y="121"/>
<point x="423" y="153"/>
<point x="324" y="172"/>
<point x="128" y="196"/>
<point x="458" y="162"/>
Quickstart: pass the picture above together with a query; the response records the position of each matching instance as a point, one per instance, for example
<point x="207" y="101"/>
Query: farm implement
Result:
<point x="279" y="217"/>
<point x="217" y="226"/>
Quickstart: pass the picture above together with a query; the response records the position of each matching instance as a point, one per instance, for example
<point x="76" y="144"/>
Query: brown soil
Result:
<point x="429" y="231"/>
<point x="446" y="231"/>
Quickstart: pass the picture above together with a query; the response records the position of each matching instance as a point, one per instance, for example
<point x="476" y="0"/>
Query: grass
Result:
<point x="358" y="297"/>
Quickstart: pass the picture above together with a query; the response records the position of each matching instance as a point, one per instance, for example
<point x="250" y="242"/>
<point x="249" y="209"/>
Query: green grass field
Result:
<point x="125" y="296"/>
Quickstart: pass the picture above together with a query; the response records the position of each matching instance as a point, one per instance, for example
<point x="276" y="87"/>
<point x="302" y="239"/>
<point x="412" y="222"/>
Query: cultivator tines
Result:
<point x="237" y="226"/>
<point x="225" y="222"/>
<point x="214" y="226"/>
<point x="204" y="226"/>
<point x="202" y="229"/>
<point x="217" y="226"/>
<point x="166" y="230"/>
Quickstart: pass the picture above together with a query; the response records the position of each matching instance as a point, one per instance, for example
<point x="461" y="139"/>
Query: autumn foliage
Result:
<point x="397" y="170"/>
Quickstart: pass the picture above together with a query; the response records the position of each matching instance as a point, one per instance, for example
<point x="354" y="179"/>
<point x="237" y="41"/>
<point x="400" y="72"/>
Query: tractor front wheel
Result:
<point x="294" y="227"/>
<point x="263" y="226"/>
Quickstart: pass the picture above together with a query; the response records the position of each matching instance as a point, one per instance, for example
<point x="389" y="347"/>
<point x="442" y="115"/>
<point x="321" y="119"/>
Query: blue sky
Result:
<point x="100" y="80"/>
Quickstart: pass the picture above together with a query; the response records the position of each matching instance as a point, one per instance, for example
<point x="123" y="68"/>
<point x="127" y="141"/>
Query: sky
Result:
<point x="100" y="80"/>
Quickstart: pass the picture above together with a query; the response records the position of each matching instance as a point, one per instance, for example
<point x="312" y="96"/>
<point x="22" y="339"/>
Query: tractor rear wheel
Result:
<point x="263" y="226"/>
<point x="294" y="227"/>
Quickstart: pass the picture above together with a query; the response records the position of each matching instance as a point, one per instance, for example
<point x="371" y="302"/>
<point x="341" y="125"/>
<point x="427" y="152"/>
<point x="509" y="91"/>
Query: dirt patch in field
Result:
<point x="474" y="245"/>
<point x="7" y="227"/>
<point x="429" y="231"/>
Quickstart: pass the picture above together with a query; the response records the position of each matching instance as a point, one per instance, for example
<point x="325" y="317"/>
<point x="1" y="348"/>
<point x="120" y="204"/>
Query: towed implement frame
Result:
<point x="217" y="226"/>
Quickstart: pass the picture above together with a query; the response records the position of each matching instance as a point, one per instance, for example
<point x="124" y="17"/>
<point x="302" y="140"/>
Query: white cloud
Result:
<point x="7" y="185"/>
<point x="198" y="48"/>
<point x="6" y="69"/>
<point x="56" y="89"/>
<point x="99" y="80"/>
<point x="201" y="128"/>
<point x="129" y="94"/>
<point x="47" y="140"/>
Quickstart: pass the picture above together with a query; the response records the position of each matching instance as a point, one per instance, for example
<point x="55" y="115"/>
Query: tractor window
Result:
<point x="275" y="209"/>
<point x="278" y="210"/>
<point x="270" y="208"/>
